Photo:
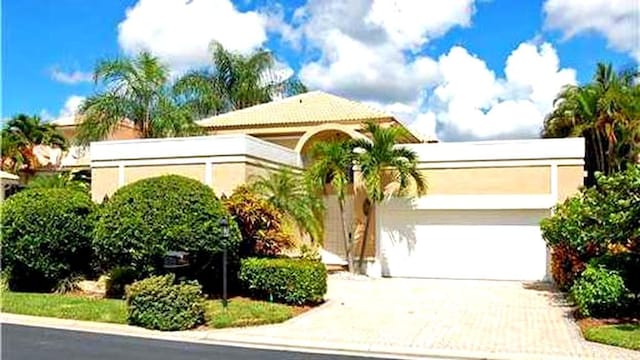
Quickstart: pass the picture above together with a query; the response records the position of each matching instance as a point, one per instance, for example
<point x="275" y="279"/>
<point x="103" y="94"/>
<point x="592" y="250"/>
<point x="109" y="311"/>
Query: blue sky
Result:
<point x="460" y="69"/>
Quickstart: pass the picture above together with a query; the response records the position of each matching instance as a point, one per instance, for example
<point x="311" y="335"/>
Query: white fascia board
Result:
<point x="534" y="149"/>
<point x="193" y="147"/>
<point x="473" y="202"/>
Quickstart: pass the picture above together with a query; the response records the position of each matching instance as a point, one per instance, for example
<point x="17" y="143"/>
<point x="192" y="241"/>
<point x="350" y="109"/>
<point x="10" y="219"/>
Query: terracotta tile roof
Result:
<point x="311" y="107"/>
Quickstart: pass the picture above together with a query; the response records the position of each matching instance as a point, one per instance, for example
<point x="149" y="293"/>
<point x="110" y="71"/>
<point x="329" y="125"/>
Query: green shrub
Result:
<point x="599" y="292"/>
<point x="46" y="237"/>
<point x="597" y="221"/>
<point x="627" y="264"/>
<point x="157" y="303"/>
<point x="142" y="221"/>
<point x="291" y="281"/>
<point x="119" y="277"/>
<point x="260" y="223"/>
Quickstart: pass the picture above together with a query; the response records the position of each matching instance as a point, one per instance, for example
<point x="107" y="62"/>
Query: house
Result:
<point x="479" y="219"/>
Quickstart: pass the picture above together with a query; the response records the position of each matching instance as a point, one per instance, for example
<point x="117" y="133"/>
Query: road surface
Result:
<point x="25" y="342"/>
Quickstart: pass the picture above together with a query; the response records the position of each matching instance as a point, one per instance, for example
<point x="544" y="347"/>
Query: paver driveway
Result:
<point x="477" y="319"/>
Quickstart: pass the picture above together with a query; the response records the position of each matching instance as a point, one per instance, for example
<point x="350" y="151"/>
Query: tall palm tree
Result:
<point x="332" y="163"/>
<point x="235" y="82"/>
<point x="606" y="112"/>
<point x="20" y="135"/>
<point x="382" y="162"/>
<point x="290" y="194"/>
<point x="135" y="89"/>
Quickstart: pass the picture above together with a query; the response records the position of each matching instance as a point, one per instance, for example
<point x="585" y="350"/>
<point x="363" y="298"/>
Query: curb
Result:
<point x="219" y="338"/>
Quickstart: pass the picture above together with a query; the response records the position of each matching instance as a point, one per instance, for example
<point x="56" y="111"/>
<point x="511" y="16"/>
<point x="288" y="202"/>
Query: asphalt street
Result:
<point x="35" y="343"/>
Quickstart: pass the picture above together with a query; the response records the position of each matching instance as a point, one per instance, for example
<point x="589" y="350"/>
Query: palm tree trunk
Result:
<point x="347" y="241"/>
<point x="366" y="235"/>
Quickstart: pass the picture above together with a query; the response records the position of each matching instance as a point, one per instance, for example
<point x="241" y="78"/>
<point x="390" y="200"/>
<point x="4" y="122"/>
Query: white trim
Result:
<point x="473" y="202"/>
<point x="189" y="161"/>
<point x="121" y="179"/>
<point x="208" y="173"/>
<point x="193" y="147"/>
<point x="568" y="148"/>
<point x="498" y="163"/>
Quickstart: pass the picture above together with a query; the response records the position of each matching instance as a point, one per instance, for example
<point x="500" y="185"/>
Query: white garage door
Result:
<point x="462" y="244"/>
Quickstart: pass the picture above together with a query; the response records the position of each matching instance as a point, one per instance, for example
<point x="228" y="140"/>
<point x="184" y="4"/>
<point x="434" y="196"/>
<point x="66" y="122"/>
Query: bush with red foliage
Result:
<point x="260" y="223"/>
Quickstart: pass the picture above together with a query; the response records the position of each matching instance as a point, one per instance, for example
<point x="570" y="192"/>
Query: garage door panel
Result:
<point x="469" y="244"/>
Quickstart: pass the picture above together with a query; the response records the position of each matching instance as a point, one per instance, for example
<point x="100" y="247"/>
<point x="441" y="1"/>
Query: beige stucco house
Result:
<point x="479" y="219"/>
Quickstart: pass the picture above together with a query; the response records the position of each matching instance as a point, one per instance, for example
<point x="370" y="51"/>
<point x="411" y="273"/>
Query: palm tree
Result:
<point x="606" y="112"/>
<point x="381" y="163"/>
<point x="332" y="163"/>
<point x="235" y="82"/>
<point x="290" y="194"/>
<point x="135" y="89"/>
<point x="20" y="135"/>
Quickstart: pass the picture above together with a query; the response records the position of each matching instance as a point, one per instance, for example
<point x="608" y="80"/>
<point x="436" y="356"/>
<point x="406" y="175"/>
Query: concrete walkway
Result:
<point x="414" y="318"/>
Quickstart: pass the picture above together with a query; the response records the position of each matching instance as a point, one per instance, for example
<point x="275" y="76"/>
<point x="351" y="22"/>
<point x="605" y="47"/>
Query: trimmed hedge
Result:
<point x="46" y="237"/>
<point x="599" y="292"/>
<point x="157" y="303"/>
<point x="290" y="281"/>
<point x="144" y="220"/>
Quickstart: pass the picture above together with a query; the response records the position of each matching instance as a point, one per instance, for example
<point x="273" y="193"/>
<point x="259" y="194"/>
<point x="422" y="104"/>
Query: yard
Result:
<point x="240" y="312"/>
<point x="616" y="333"/>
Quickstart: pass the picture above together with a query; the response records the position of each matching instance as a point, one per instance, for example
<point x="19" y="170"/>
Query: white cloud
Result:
<point x="71" y="105"/>
<point x="370" y="50"/>
<point x="180" y="31"/>
<point x="368" y="56"/>
<point x="472" y="103"/>
<point x="617" y="20"/>
<point x="410" y="23"/>
<point x="67" y="114"/>
<point x="73" y="77"/>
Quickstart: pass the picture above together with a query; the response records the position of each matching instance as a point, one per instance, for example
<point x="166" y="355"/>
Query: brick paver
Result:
<point x="501" y="320"/>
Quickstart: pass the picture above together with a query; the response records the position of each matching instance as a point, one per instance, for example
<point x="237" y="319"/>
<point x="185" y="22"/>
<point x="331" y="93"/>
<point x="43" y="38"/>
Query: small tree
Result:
<point x="332" y="164"/>
<point x="379" y="159"/>
<point x="294" y="197"/>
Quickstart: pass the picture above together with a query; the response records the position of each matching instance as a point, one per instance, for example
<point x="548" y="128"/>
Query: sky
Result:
<point x="456" y="70"/>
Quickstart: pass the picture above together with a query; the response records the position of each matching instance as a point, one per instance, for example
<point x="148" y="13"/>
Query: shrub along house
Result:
<point x="479" y="220"/>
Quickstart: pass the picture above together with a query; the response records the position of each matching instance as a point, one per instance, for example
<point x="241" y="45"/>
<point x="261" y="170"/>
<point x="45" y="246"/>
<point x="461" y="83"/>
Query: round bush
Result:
<point x="144" y="220"/>
<point x="157" y="303"/>
<point x="291" y="281"/>
<point x="46" y="237"/>
<point x="599" y="292"/>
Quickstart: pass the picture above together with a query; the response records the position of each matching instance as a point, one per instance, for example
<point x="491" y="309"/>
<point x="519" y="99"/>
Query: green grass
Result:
<point x="246" y="312"/>
<point x="65" y="307"/>
<point x="623" y="335"/>
<point x="240" y="312"/>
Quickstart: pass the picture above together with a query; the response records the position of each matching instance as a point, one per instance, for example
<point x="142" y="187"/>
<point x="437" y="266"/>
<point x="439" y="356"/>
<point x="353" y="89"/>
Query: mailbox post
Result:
<point x="224" y="226"/>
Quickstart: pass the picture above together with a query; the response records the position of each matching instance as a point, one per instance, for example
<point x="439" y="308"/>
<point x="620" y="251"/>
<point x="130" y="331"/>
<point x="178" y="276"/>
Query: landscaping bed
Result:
<point x="617" y="332"/>
<point x="240" y="312"/>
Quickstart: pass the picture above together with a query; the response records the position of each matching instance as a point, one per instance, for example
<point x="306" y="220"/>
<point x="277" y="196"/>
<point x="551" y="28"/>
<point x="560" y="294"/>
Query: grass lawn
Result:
<point x="65" y="307"/>
<point x="623" y="335"/>
<point x="247" y="312"/>
<point x="240" y="312"/>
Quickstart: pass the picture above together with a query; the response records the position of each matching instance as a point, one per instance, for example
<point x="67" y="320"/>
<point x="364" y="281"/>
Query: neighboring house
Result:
<point x="7" y="182"/>
<point x="479" y="219"/>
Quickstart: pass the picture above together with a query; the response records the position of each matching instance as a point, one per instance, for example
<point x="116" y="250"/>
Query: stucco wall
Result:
<point x="489" y="180"/>
<point x="104" y="182"/>
<point x="135" y="173"/>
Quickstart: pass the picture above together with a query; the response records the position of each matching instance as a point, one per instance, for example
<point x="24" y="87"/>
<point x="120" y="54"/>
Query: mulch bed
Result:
<point x="586" y="323"/>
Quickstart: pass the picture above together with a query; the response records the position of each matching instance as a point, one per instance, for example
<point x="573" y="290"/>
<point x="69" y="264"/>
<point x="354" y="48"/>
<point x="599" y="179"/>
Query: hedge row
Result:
<point x="290" y="281"/>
